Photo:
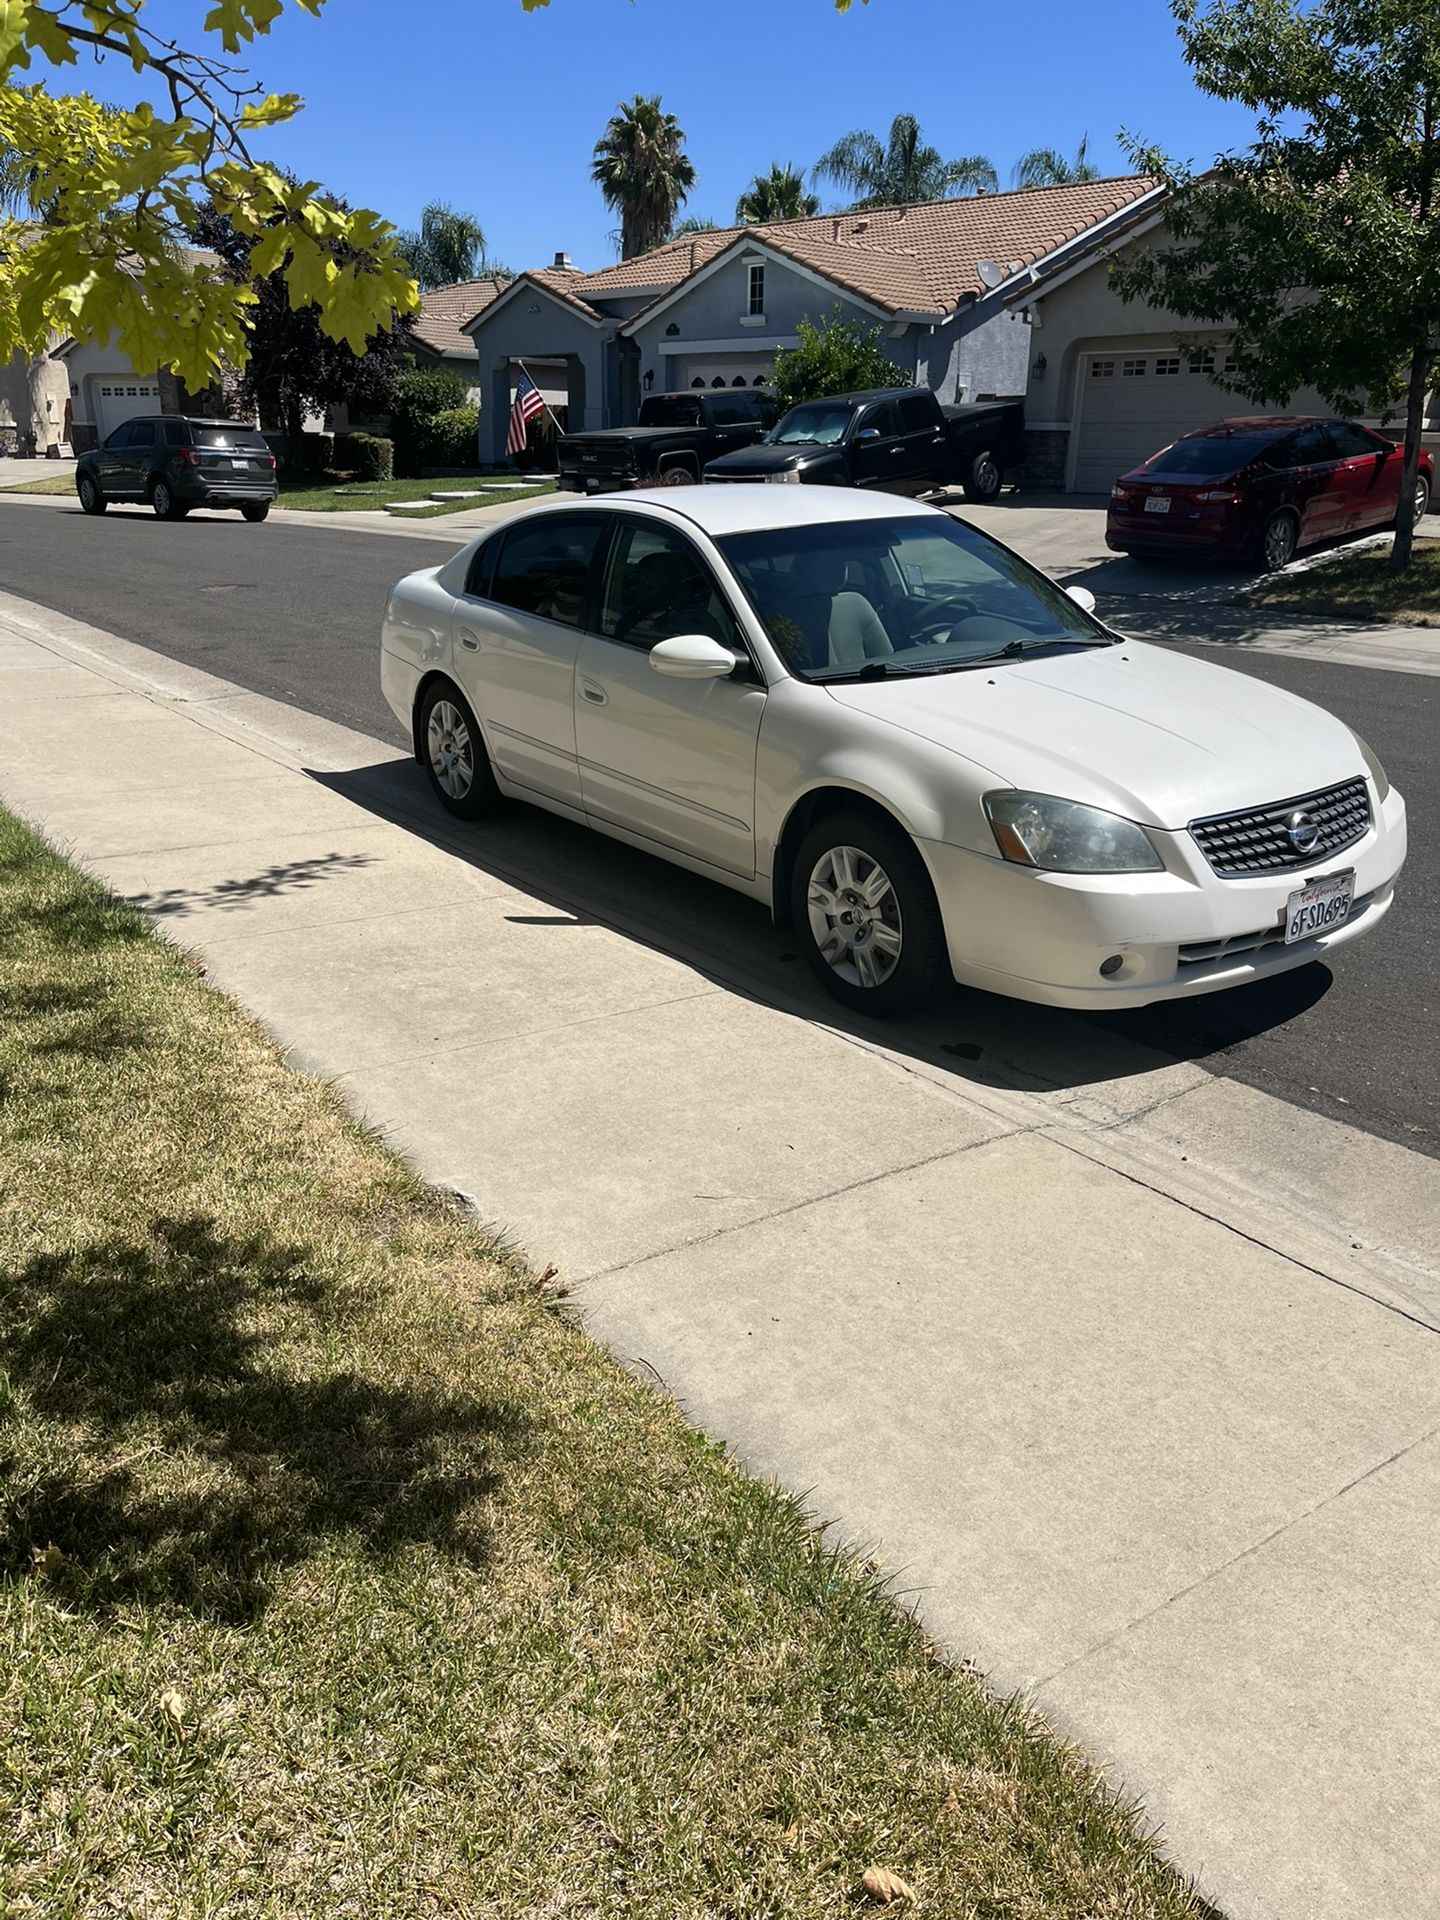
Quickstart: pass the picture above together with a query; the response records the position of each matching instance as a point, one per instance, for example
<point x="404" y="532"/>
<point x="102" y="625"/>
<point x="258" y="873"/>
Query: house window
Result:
<point x="1167" y="364"/>
<point x="1133" y="369"/>
<point x="1204" y="361"/>
<point x="757" y="290"/>
<point x="1102" y="369"/>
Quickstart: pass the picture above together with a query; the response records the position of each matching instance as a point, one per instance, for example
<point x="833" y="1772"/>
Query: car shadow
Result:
<point x="588" y="879"/>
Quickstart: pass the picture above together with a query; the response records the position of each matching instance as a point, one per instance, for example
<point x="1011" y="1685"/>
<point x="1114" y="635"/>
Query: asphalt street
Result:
<point x="295" y="614"/>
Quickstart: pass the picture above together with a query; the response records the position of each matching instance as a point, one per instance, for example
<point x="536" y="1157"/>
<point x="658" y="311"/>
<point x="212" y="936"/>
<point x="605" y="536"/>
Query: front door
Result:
<point x="109" y="461"/>
<point x="517" y="634"/>
<point x="1320" y="486"/>
<point x="1371" y="467"/>
<point x="673" y="760"/>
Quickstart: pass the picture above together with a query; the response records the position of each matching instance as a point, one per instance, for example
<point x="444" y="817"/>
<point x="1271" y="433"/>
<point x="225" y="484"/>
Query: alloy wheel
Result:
<point x="1279" y="542"/>
<point x="451" y="750"/>
<point x="87" y="493"/>
<point x="855" y="916"/>
<point x="987" y="475"/>
<point x="1422" y="501"/>
<point x="160" y="500"/>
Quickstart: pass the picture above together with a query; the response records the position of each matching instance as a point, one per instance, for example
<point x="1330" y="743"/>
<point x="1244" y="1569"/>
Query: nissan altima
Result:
<point x="901" y="737"/>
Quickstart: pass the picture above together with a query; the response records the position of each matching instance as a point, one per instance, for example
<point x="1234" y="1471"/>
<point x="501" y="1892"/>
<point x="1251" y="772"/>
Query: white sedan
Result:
<point x="900" y="737"/>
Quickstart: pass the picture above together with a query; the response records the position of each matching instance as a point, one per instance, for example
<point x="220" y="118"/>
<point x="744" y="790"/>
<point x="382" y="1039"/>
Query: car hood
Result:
<point x="1154" y="735"/>
<point x="760" y="459"/>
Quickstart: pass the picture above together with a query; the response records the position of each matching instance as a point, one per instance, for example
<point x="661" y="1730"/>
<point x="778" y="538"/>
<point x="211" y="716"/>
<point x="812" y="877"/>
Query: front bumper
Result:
<point x="1185" y="931"/>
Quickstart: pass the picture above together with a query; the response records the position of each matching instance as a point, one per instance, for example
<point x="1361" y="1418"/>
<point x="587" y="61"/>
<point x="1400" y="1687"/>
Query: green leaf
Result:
<point x="270" y="111"/>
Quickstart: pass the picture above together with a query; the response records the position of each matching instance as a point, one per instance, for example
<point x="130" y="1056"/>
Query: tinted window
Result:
<point x="176" y="433"/>
<point x="1312" y="446"/>
<point x="245" y="438"/>
<point x="1352" y="442"/>
<point x="118" y="439"/>
<point x="544" y="566"/>
<point x="884" y="419"/>
<point x="657" y="586"/>
<point x="731" y="411"/>
<point x="670" y="410"/>
<point x="142" y="433"/>
<point x="1209" y="453"/>
<point x="917" y="413"/>
<point x="482" y="565"/>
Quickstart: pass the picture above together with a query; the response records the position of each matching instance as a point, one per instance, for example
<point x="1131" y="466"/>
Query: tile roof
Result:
<point x="568" y="283"/>
<point x="903" y="259"/>
<point x="445" y="310"/>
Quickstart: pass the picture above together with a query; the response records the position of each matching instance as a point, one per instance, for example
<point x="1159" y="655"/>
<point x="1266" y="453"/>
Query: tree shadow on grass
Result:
<point x="206" y="1462"/>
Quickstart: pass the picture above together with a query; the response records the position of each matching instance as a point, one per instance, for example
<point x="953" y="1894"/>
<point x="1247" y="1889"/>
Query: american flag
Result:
<point x="527" y="404"/>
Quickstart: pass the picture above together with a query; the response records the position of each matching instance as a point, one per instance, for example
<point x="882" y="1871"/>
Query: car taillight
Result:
<point x="272" y="463"/>
<point x="190" y="456"/>
<point x="1119" y="493"/>
<point x="1227" y="495"/>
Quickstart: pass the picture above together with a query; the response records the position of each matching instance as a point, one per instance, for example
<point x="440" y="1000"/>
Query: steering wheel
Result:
<point x="937" y="617"/>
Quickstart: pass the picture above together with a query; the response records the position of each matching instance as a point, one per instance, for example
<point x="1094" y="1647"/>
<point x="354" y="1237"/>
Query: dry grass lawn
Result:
<point x="341" y="1576"/>
<point x="1361" y="587"/>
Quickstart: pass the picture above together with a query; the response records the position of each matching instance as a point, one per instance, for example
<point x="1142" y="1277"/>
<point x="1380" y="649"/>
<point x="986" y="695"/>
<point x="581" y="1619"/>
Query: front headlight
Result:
<point x="1372" y="761"/>
<point x="791" y="477"/>
<point x="1037" y="830"/>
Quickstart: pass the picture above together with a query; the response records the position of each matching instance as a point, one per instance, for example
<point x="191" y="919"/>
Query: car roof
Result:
<point x="741" y="506"/>
<point x="868" y="393"/>
<point x="1255" y="424"/>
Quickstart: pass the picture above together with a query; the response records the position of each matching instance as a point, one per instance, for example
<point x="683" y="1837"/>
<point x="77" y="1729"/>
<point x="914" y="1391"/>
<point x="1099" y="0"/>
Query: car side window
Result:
<point x="118" y="439"/>
<point x="1312" y="447"/>
<point x="142" y="434"/>
<point x="481" y="569"/>
<point x="884" y="418"/>
<point x="543" y="566"/>
<point x="176" y="434"/>
<point x="1354" y="443"/>
<point x="657" y="587"/>
<point x="916" y="414"/>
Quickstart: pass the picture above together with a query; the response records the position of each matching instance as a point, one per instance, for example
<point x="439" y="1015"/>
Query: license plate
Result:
<point x="1157" y="503"/>
<point x="1319" y="908"/>
<point x="592" y="486"/>
<point x="240" y="463"/>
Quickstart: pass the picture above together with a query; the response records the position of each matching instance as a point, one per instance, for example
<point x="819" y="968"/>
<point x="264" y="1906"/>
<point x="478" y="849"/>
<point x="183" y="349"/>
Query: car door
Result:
<point x="877" y="456"/>
<point x="1371" y="468"/>
<point x="517" y="634"/>
<point x="1318" y="488"/>
<point x="134" y="461"/>
<point x="110" y="464"/>
<point x="671" y="759"/>
<point x="924" y="438"/>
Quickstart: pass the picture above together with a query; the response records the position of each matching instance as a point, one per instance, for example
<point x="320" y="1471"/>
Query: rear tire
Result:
<point x="91" y="498"/>
<point x="984" y="478"/>
<point x="865" y="914"/>
<point x="1279" y="541"/>
<point x="256" y="511"/>
<point x="454" y="753"/>
<point x="679" y="474"/>
<point x="1422" y="499"/>
<point x="166" y="506"/>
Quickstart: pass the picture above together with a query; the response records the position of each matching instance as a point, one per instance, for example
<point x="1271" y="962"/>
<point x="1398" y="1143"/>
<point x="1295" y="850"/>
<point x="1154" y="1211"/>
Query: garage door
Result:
<point x="120" y="400"/>
<point x="735" y="370"/>
<point x="1132" y="404"/>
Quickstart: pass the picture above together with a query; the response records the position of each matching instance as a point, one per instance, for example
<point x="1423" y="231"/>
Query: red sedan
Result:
<point x="1261" y="488"/>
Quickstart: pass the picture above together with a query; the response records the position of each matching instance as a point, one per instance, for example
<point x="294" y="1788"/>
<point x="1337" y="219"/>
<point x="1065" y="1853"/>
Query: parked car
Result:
<point x="1261" y="488"/>
<point x="675" y="435"/>
<point x="896" y="440"/>
<point x="898" y="735"/>
<point x="177" y="463"/>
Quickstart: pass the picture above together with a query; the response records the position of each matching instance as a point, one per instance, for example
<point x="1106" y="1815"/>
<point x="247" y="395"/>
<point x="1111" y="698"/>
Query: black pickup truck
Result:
<point x="677" y="433"/>
<point x="897" y="439"/>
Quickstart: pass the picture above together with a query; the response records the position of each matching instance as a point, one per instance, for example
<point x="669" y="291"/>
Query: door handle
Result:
<point x="469" y="641"/>
<point x="897" y="449"/>
<point x="597" y="696"/>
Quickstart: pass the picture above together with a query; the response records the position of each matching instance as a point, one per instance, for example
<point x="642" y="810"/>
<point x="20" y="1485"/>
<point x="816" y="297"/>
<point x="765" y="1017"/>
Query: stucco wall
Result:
<point x="983" y="350"/>
<point x="534" y="324"/>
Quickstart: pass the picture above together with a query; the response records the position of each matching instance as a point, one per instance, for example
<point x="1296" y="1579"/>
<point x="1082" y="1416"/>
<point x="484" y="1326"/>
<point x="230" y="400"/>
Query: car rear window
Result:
<point x="1209" y="453"/>
<point x="246" y="439"/>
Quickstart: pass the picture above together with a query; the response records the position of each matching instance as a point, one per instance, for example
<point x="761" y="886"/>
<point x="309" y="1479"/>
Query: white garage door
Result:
<point x="119" y="400"/>
<point x="734" y="370"/>
<point x="1132" y="404"/>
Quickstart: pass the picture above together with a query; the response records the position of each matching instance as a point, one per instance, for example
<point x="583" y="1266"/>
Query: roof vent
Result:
<point x="562" y="261"/>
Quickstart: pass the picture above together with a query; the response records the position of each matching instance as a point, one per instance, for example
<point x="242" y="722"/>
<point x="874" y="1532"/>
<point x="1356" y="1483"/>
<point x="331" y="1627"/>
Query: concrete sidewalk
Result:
<point x="1129" y="1374"/>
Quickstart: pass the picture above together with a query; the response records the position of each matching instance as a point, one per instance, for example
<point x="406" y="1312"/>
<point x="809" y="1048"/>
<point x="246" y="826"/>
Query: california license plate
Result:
<point x="1319" y="908"/>
<point x="240" y="463"/>
<point x="1157" y="503"/>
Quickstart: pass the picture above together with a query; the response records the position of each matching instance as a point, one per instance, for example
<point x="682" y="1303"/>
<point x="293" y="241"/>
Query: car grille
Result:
<point x="1258" y="841"/>
<point x="1213" y="952"/>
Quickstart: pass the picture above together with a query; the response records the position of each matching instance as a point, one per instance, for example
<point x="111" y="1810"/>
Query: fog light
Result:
<point x="1112" y="966"/>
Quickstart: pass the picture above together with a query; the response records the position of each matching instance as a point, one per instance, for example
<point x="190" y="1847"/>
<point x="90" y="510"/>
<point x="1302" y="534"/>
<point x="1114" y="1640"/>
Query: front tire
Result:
<point x="866" y="916"/>
<point x="255" y="511"/>
<point x="1279" y="541"/>
<point x="1422" y="499"/>
<point x="166" y="506"/>
<point x="984" y="478"/>
<point x="91" y="498"/>
<point x="454" y="753"/>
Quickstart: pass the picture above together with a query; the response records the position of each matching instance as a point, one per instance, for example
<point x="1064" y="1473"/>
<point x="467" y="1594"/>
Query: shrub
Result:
<point x="314" y="452"/>
<point x="835" y="357"/>
<point x="421" y="393"/>
<point x="451" y="439"/>
<point x="365" y="455"/>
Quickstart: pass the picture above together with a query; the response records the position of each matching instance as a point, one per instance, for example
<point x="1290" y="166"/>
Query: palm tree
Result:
<point x="1048" y="167"/>
<point x="902" y="169"/>
<point x="642" y="169"/>
<point x="777" y="195"/>
<point x="449" y="246"/>
<point x="692" y="223"/>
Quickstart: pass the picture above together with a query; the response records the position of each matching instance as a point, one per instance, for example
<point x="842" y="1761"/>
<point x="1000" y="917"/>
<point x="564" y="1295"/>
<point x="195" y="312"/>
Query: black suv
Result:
<point x="176" y="463"/>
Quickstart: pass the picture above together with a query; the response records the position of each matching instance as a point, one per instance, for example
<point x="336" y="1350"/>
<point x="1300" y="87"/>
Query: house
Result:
<point x="1110" y="383"/>
<point x="437" y="330"/>
<point x="714" y="308"/>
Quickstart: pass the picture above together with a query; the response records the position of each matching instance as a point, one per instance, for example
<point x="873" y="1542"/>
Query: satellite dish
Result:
<point x="990" y="274"/>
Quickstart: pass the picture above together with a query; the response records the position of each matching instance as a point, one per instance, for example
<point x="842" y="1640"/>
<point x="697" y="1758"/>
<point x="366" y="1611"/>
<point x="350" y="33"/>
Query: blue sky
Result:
<point x="497" y="110"/>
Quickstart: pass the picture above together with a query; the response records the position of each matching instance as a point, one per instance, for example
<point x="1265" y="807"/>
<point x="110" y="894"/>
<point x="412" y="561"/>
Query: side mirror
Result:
<point x="868" y="433"/>
<point x="692" y="656"/>
<point x="1082" y="597"/>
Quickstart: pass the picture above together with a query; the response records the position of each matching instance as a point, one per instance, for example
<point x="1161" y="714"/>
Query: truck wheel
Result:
<point x="983" y="478"/>
<point x="679" y="474"/>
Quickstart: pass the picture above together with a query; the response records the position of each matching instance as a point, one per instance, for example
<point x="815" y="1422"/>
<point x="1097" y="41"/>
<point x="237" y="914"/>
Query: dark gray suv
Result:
<point x="177" y="463"/>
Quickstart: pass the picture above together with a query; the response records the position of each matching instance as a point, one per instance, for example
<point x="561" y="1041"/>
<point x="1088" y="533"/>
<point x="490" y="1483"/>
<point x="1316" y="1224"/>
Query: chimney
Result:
<point x="562" y="261"/>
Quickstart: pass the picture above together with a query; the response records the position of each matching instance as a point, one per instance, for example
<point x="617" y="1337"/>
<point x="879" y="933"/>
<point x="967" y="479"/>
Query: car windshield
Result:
<point x="821" y="424"/>
<point x="876" y="599"/>
<point x="1209" y="453"/>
